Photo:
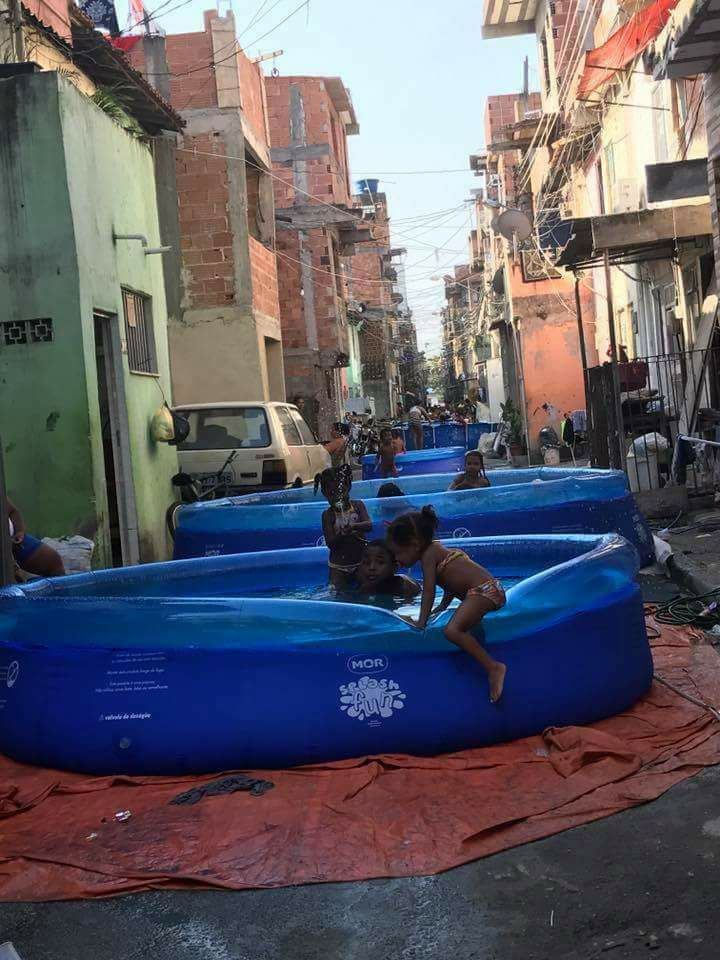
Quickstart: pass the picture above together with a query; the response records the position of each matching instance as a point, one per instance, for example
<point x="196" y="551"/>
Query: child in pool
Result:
<point x="386" y="455"/>
<point x="474" y="476"/>
<point x="344" y="524"/>
<point x="397" y="441"/>
<point x="389" y="490"/>
<point x="377" y="573"/>
<point x="411" y="539"/>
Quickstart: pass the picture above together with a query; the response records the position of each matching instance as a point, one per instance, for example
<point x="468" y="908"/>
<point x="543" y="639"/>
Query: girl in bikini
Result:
<point x="344" y="525"/>
<point x="411" y="539"/>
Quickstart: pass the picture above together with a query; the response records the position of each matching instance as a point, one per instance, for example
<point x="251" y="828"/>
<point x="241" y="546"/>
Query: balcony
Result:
<point x="503" y="19"/>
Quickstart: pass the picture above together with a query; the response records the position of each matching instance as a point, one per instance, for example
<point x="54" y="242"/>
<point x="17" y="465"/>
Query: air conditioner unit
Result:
<point x="627" y="195"/>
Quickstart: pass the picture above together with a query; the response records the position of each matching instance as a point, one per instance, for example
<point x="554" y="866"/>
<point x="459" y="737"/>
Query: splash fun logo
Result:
<point x="371" y="699"/>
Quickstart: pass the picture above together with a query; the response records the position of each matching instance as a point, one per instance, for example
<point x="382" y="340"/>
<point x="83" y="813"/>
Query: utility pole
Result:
<point x="7" y="564"/>
<point x="16" y="29"/>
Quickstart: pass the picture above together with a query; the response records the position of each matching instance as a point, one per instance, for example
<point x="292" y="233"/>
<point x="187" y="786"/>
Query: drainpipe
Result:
<point x="7" y="564"/>
<point x="517" y="344"/>
<point x="583" y="352"/>
<point x="619" y="457"/>
<point x="147" y="250"/>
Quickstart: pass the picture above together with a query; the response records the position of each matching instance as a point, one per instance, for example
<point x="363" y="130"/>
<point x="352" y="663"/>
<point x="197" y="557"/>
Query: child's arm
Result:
<point x="410" y="587"/>
<point x="364" y="523"/>
<point x="444" y="603"/>
<point x="428" y="590"/>
<point x="17" y="521"/>
<point x="328" y="528"/>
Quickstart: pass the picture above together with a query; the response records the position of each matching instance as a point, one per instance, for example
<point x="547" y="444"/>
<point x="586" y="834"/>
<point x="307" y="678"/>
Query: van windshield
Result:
<point x="227" y="429"/>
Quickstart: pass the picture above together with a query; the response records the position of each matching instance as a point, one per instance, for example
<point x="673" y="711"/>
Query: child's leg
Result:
<point x="468" y="614"/>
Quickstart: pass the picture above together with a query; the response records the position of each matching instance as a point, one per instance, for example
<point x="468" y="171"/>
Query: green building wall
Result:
<point x="74" y="177"/>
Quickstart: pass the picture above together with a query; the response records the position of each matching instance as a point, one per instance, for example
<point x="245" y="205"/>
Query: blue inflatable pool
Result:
<point x="218" y="664"/>
<point x="540" y="500"/>
<point x="450" y="434"/>
<point x="419" y="462"/>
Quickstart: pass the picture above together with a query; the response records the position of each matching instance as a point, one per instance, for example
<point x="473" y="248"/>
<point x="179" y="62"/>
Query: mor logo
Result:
<point x="364" y="663"/>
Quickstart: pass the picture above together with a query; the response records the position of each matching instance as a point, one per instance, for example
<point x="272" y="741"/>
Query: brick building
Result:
<point x="310" y="119"/>
<point x="217" y="214"/>
<point x="372" y="285"/>
<point x="502" y="113"/>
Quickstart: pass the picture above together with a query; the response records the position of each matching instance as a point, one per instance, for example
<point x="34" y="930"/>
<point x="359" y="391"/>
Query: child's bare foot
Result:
<point x="496" y="679"/>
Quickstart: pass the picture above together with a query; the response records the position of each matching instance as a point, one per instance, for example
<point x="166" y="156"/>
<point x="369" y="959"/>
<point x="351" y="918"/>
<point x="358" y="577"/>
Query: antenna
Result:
<point x="515" y="226"/>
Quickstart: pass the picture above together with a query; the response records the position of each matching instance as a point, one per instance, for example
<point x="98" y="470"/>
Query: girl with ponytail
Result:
<point x="411" y="537"/>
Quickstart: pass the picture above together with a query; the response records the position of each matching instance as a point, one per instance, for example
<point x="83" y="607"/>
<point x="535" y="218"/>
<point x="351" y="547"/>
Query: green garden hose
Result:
<point x="703" y="611"/>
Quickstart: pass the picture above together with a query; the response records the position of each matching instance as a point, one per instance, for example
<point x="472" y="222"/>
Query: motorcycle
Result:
<point x="195" y="490"/>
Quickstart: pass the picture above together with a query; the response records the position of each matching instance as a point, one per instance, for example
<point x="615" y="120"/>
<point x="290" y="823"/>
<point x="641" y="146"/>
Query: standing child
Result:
<point x="344" y="524"/>
<point x="386" y="455"/>
<point x="397" y="441"/>
<point x="474" y="476"/>
<point x="411" y="539"/>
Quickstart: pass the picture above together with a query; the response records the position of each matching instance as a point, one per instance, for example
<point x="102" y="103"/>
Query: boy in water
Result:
<point x="377" y="573"/>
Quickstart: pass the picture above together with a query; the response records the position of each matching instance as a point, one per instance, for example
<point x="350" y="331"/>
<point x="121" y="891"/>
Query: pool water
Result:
<point x="325" y="592"/>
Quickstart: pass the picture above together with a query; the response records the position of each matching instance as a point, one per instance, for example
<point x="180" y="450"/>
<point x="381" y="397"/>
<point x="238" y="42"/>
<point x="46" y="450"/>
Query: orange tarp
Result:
<point x="602" y="63"/>
<point x="386" y="816"/>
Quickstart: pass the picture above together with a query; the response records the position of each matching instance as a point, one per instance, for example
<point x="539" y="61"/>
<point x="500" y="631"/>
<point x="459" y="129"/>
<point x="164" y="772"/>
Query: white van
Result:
<point x="275" y="446"/>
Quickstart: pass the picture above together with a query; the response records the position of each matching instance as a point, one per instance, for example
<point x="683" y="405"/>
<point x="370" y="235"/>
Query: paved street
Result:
<point x="643" y="883"/>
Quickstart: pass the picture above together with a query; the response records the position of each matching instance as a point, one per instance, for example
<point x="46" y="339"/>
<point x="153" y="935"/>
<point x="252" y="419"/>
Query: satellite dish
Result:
<point x="514" y="225"/>
<point x="494" y="223"/>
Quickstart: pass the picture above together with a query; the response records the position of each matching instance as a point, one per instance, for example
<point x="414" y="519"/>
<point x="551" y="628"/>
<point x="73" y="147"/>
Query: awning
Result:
<point x="635" y="237"/>
<point x="693" y="45"/>
<point x="623" y="46"/>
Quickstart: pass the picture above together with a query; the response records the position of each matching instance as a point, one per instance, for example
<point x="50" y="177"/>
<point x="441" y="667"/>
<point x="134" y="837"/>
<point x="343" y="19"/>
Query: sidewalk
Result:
<point x="695" y="541"/>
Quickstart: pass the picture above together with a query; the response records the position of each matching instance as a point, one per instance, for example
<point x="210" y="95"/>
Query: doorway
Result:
<point x="119" y="493"/>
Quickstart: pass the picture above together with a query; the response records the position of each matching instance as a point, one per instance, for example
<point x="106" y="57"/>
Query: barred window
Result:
<point x="139" y="333"/>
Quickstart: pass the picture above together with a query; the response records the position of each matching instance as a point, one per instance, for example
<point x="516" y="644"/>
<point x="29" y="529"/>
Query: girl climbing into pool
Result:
<point x="411" y="539"/>
<point x="473" y="477"/>
<point x="344" y="524"/>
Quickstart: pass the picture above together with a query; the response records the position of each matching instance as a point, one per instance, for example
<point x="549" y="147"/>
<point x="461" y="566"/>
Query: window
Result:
<point x="308" y="437"/>
<point x="292" y="437"/>
<point x="139" y="333"/>
<point x="226" y="429"/>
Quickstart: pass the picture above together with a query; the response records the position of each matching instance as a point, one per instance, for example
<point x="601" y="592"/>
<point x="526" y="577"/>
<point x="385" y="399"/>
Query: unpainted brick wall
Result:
<point x="206" y="240"/>
<point x="264" y="279"/>
<point x="192" y="79"/>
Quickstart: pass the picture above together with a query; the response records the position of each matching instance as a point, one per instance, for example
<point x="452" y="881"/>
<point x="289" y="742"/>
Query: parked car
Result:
<point x="275" y="446"/>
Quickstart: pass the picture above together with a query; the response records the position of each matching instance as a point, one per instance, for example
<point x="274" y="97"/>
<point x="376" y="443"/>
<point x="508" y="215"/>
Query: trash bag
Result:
<point x="162" y="428"/>
<point x="76" y="552"/>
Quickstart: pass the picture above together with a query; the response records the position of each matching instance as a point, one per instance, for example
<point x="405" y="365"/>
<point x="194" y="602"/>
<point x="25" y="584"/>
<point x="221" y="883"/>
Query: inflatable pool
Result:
<point x="217" y="664"/>
<point x="418" y="462"/>
<point x="539" y="500"/>
<point x="450" y="434"/>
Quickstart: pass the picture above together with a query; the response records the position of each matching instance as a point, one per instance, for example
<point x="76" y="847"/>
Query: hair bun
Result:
<point x="428" y="511"/>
